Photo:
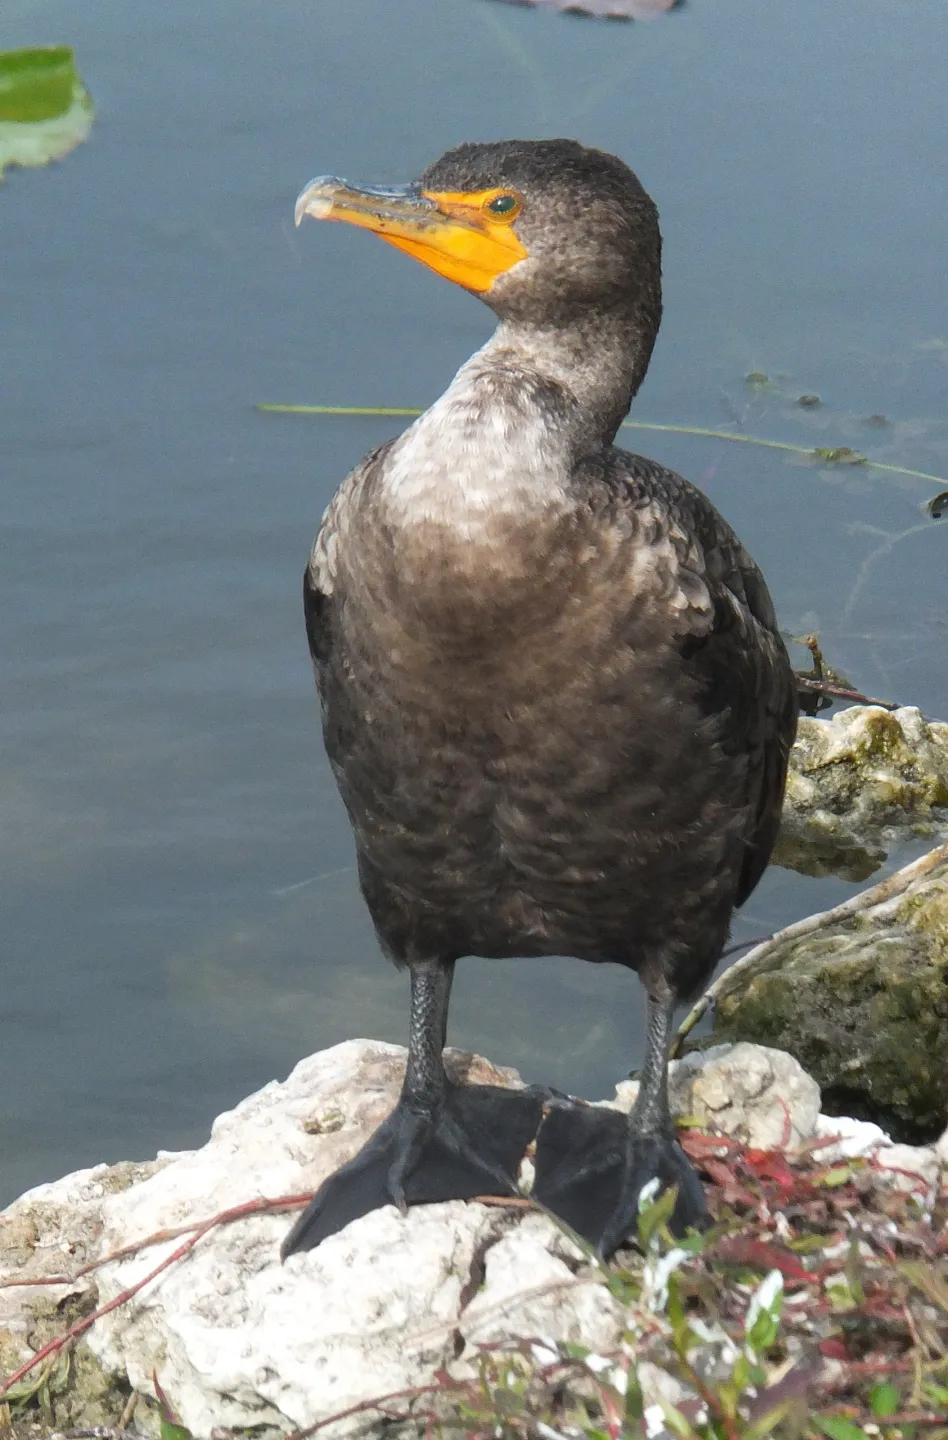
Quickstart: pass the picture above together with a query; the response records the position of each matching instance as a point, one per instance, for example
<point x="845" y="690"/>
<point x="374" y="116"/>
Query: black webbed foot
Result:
<point x="591" y="1166"/>
<point x="469" y="1143"/>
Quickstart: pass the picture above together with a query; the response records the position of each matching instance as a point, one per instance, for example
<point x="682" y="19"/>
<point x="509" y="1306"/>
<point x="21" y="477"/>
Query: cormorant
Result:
<point x="554" y="695"/>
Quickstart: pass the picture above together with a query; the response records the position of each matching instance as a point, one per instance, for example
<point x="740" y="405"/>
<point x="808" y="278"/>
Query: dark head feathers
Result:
<point x="589" y="227"/>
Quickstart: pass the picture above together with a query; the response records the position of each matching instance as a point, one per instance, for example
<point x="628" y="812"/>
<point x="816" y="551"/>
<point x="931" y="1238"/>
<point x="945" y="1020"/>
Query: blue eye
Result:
<point x="506" y="205"/>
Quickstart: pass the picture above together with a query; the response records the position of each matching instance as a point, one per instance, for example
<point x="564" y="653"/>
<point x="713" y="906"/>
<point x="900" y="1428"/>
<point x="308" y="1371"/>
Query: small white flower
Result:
<point x="648" y="1192"/>
<point x="654" y="1418"/>
<point x="768" y="1296"/>
<point x="655" y="1275"/>
<point x="548" y="1432"/>
<point x="614" y="1374"/>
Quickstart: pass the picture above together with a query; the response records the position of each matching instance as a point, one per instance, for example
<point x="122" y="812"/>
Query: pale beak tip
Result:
<point x="316" y="200"/>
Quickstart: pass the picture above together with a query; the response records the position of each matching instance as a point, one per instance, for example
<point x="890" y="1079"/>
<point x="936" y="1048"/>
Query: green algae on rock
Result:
<point x="859" y="781"/>
<point x="859" y="996"/>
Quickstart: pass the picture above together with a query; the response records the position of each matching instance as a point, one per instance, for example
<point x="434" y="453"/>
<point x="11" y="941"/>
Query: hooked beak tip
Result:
<point x="315" y="200"/>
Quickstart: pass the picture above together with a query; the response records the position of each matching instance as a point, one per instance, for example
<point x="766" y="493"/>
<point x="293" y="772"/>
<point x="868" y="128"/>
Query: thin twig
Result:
<point x="928" y="1418"/>
<point x="128" y="1414"/>
<point x="223" y="1217"/>
<point x="823" y="687"/>
<point x="413" y="1393"/>
<point x="862" y="574"/>
<point x="745" y="944"/>
<point x="196" y="1232"/>
<point x="885" y="890"/>
<point x="99" y="1432"/>
<point x="262" y="1206"/>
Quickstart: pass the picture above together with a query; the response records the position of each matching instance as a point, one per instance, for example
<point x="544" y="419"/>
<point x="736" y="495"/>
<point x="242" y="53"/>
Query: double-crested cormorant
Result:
<point x="554" y="694"/>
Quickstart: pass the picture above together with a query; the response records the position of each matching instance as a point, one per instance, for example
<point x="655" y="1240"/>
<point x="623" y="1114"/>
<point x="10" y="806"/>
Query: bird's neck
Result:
<point x="506" y="436"/>
<point x="596" y="363"/>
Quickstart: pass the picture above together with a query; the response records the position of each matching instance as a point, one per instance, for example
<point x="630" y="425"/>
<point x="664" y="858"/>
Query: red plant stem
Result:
<point x="82" y="1325"/>
<point x="918" y="1417"/>
<point x="905" y="1417"/>
<point x="223" y="1217"/>
<point x="159" y="1237"/>
<point x="413" y="1393"/>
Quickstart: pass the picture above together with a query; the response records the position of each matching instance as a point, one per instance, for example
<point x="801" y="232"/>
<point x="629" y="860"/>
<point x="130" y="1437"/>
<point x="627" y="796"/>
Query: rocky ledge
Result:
<point x="239" y="1342"/>
<point x="858" y="783"/>
<point x="859" y="994"/>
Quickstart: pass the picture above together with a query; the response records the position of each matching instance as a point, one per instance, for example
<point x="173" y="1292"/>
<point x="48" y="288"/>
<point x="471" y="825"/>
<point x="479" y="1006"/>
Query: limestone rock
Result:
<point x="859" y="781"/>
<point x="240" y="1342"/>
<point x="906" y="1167"/>
<point x="536" y="1284"/>
<point x="235" y="1336"/>
<point x="941" y="1150"/>
<point x="760" y="1096"/>
<point x="860" y="997"/>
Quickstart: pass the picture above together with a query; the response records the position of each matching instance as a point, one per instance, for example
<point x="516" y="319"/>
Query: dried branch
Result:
<point x="836" y="692"/>
<point x="886" y="890"/>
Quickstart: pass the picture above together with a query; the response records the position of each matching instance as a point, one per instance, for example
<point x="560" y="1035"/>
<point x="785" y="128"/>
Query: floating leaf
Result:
<point x="605" y="9"/>
<point x="839" y="455"/>
<point x="45" y="110"/>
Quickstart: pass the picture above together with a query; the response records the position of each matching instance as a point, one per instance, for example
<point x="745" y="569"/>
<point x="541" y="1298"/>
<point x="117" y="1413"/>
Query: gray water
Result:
<point x="180" y="918"/>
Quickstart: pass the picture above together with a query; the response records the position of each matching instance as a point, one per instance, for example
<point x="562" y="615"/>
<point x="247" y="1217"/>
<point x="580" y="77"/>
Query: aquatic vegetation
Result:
<point x="824" y="455"/>
<point x="604" y="9"/>
<point x="45" y="110"/>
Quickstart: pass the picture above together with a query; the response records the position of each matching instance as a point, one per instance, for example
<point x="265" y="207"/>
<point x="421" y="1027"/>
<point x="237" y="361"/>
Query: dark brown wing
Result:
<point x="735" y="653"/>
<point x="746" y="675"/>
<point x="319" y="575"/>
<point x="315" y="611"/>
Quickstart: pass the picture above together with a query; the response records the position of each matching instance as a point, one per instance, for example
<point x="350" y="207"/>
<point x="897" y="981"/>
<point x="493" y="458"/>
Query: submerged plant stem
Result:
<point x="701" y="430"/>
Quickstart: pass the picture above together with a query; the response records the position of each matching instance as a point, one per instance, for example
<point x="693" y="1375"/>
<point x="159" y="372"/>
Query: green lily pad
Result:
<point x="45" y="110"/>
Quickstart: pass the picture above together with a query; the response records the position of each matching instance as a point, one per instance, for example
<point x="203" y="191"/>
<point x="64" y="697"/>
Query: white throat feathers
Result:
<point x="492" y="445"/>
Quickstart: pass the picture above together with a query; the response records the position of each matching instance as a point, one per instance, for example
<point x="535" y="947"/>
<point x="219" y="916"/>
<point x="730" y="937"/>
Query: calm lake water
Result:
<point x="180" y="918"/>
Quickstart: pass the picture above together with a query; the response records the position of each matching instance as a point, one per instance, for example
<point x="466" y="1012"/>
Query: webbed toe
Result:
<point x="471" y="1143"/>
<point x="591" y="1167"/>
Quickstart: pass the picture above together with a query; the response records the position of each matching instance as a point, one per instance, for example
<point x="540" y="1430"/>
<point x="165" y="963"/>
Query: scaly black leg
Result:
<point x="441" y="1142"/>
<point x="592" y="1163"/>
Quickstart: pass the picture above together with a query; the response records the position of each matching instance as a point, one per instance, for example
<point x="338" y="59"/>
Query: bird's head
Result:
<point x="541" y="230"/>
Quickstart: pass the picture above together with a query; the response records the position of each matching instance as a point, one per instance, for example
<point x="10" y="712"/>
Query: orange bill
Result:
<point x="467" y="238"/>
